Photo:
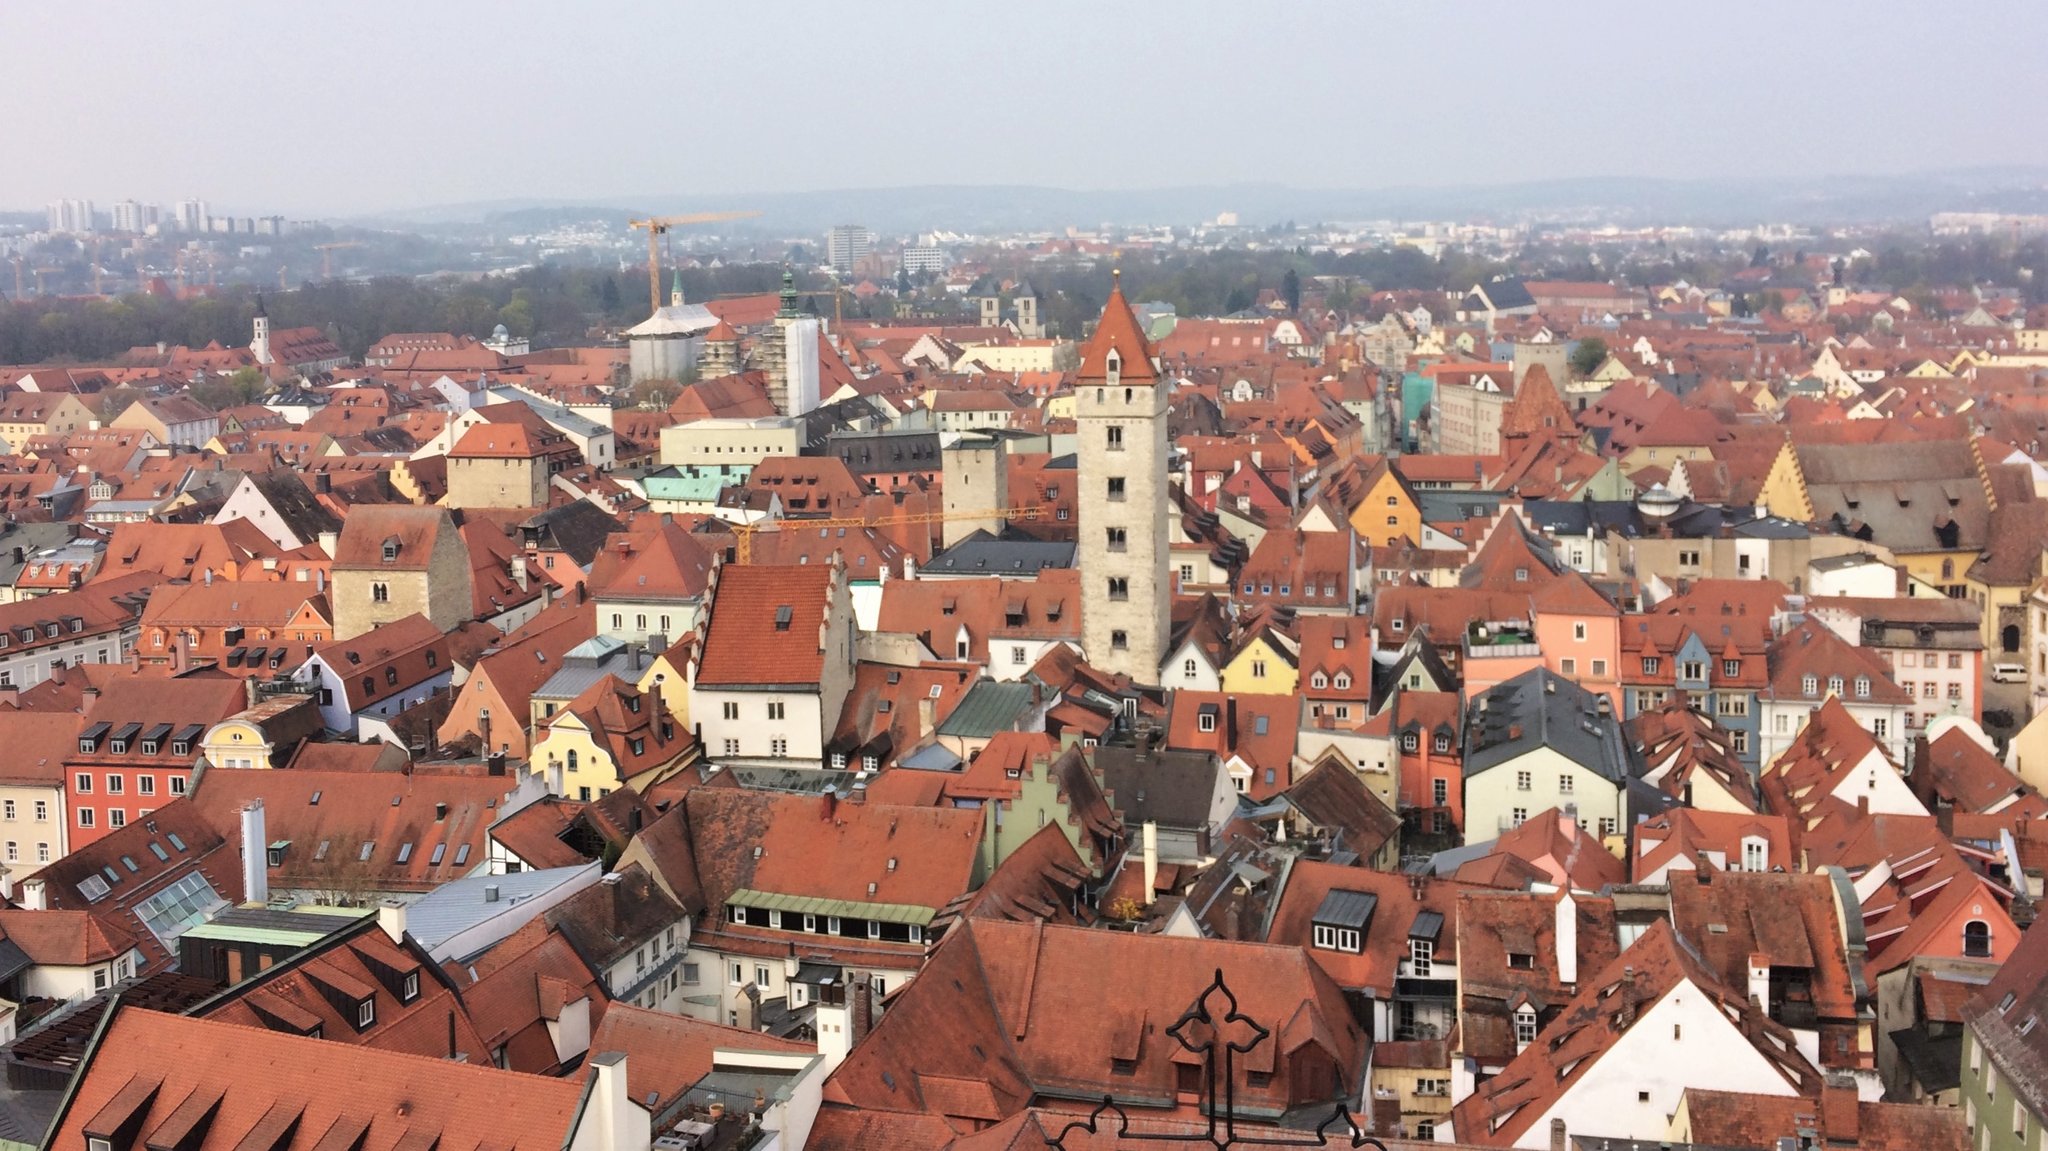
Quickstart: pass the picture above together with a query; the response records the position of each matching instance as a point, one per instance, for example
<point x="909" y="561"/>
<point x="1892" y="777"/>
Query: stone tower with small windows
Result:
<point x="1120" y="408"/>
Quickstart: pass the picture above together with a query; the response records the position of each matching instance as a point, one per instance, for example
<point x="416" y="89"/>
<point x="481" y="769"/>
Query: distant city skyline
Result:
<point x="381" y="107"/>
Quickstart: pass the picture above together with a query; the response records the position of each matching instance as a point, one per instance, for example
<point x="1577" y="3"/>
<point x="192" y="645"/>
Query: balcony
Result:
<point x="1501" y="639"/>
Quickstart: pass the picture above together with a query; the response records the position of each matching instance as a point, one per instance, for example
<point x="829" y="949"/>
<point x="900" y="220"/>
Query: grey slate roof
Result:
<point x="982" y="554"/>
<point x="1540" y="708"/>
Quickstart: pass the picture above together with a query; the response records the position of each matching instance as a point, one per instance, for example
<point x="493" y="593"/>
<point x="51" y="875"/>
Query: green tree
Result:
<point x="1588" y="356"/>
<point x="1290" y="291"/>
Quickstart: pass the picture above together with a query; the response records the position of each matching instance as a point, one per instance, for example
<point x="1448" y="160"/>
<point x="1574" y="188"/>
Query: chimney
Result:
<point x="925" y="713"/>
<point x="612" y="1116"/>
<point x="32" y="896"/>
<point x="330" y="542"/>
<point x="1557" y="1142"/>
<point x="861" y="1018"/>
<point x="1151" y="842"/>
<point x="1840" y="1120"/>
<point x="491" y="893"/>
<point x="255" y="855"/>
<point x="1567" y="939"/>
<point x="323" y="483"/>
<point x="391" y="918"/>
<point x="250" y="696"/>
<point x="1760" y="981"/>
<point x="91" y="695"/>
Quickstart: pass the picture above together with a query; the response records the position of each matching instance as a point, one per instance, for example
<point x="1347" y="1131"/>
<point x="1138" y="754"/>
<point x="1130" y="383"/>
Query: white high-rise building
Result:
<point x="191" y="216"/>
<point x="71" y="216"/>
<point x="1120" y="409"/>
<point x="847" y="245"/>
<point x="132" y="217"/>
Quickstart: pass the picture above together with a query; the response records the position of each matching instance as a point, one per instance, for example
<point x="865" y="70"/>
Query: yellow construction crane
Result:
<point x="327" y="255"/>
<point x="743" y="534"/>
<point x="656" y="227"/>
<point x="40" y="273"/>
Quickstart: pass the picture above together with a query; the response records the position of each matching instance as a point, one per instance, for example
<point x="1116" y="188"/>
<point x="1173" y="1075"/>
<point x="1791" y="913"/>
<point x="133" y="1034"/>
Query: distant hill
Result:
<point x="1621" y="200"/>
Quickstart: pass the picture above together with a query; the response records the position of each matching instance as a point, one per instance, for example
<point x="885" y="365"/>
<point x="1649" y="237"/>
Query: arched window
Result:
<point x="1977" y="939"/>
<point x="1948" y="569"/>
<point x="572" y="759"/>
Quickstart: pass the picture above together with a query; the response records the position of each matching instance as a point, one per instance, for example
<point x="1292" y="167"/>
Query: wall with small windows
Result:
<point x="1633" y="1089"/>
<point x="33" y="828"/>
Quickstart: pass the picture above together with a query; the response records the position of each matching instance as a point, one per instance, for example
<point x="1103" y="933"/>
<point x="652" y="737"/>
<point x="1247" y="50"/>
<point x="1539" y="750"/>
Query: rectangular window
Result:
<point x="1117" y="539"/>
<point x="1599" y="669"/>
<point x="1114" y="437"/>
<point x="84" y="784"/>
<point x="1421" y="957"/>
<point x="145" y="785"/>
<point x="1329" y="938"/>
<point x="1440" y="791"/>
<point x="1524" y="781"/>
<point x="114" y="784"/>
<point x="1518" y="816"/>
<point x="775" y="710"/>
<point x="1564" y="783"/>
<point x="1568" y="666"/>
<point x="1116" y="488"/>
<point x="730" y="709"/>
<point x="85" y="817"/>
<point x="177" y="785"/>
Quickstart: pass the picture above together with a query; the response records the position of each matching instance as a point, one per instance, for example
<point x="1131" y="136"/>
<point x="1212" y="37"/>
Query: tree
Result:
<point x="1290" y="290"/>
<point x="608" y="297"/>
<point x="1761" y="258"/>
<point x="1588" y="356"/>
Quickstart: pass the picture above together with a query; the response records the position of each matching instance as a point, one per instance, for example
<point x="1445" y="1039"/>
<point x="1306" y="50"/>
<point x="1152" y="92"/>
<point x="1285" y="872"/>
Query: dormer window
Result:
<point x="1441" y="744"/>
<point x="1809" y="684"/>
<point x="410" y="990"/>
<point x="1343" y="681"/>
<point x="1521" y="961"/>
<point x="1411" y="742"/>
<point x="391" y="550"/>
<point x="1862" y="687"/>
<point x="1835" y="684"/>
<point x="1525" y="1026"/>
<point x="1113" y="367"/>
<point x="366" y="1014"/>
<point x="1319" y="681"/>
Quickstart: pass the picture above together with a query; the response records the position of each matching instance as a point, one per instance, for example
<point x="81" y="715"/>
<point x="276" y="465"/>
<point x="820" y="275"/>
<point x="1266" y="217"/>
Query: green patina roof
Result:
<point x="987" y="709"/>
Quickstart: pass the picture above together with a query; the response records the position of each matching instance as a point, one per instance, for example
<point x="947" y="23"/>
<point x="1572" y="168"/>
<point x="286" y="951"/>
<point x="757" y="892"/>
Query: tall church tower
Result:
<point x="259" y="344"/>
<point x="1120" y="407"/>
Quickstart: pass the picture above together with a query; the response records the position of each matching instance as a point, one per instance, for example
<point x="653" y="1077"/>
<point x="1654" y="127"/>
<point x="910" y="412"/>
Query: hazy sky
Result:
<point x="355" y="105"/>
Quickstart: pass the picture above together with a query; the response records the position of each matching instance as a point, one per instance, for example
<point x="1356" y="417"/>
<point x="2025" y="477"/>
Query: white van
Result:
<point x="2008" y="673"/>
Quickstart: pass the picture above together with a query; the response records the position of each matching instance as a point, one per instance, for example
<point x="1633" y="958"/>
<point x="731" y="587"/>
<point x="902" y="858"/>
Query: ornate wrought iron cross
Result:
<point x="1207" y="1029"/>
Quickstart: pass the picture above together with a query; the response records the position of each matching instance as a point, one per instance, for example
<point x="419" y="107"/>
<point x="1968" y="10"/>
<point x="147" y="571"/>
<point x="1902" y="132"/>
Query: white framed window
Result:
<point x="1332" y="938"/>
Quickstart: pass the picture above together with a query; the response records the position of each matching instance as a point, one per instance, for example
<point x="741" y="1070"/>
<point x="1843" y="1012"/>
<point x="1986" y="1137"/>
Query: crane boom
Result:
<point x="658" y="225"/>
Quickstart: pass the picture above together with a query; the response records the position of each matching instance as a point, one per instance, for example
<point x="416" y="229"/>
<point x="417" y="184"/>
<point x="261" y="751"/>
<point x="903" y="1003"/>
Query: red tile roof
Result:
<point x="264" y="1079"/>
<point x="767" y="626"/>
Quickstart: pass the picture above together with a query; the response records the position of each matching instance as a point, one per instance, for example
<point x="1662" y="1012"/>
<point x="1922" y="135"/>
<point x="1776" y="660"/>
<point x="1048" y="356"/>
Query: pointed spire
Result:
<point x="260" y="313"/>
<point x="675" y="291"/>
<point x="1118" y="330"/>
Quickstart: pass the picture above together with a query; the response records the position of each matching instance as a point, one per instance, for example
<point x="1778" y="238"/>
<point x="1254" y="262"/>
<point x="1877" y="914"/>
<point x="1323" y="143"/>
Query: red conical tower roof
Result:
<point x="1118" y="329"/>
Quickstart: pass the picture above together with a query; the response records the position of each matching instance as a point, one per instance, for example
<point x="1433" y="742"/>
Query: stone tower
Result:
<point x="976" y="480"/>
<point x="1120" y="409"/>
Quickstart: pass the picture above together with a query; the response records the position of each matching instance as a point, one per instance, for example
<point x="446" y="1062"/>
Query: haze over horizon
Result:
<point x="358" y="109"/>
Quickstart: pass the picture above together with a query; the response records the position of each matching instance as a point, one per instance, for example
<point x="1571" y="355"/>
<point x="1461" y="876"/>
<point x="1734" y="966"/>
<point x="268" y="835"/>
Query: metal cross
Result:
<point x="1207" y="1030"/>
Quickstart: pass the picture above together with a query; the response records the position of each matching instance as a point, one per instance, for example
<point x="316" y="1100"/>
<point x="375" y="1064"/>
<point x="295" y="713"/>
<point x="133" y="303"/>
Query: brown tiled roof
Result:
<point x="1399" y="900"/>
<point x="374" y="831"/>
<point x="64" y="938"/>
<point x="667" y="1054"/>
<point x="1492" y="927"/>
<point x="267" y="1079"/>
<point x="1007" y="989"/>
<point x="365" y="530"/>
<point x="1734" y="1119"/>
